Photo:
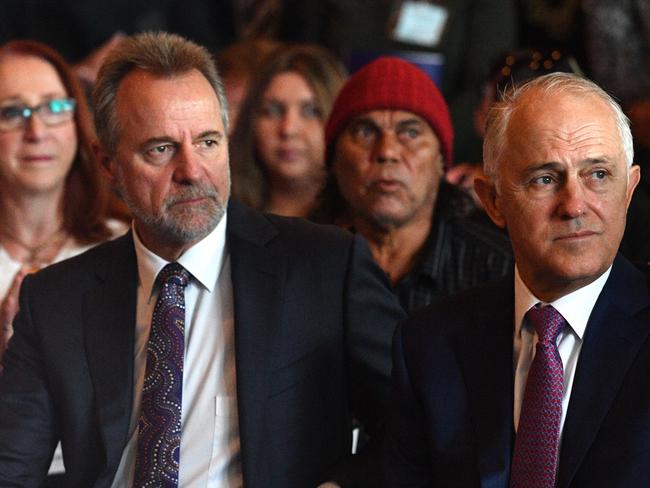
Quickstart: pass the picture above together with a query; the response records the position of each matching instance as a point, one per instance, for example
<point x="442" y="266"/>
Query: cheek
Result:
<point x="138" y="188"/>
<point x="68" y="145"/>
<point x="315" y="140"/>
<point x="9" y="144"/>
<point x="220" y="178"/>
<point x="349" y="176"/>
<point x="265" y="139"/>
<point x="425" y="173"/>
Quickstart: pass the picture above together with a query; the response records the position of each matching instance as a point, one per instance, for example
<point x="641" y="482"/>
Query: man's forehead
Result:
<point x="173" y="108"/>
<point x="388" y="117"/>
<point x="145" y="84"/>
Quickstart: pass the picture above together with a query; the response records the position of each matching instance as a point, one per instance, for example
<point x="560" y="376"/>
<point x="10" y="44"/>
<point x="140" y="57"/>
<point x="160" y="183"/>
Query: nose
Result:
<point x="386" y="148"/>
<point x="188" y="167"/>
<point x="290" y="122"/>
<point x="572" y="199"/>
<point x="34" y="128"/>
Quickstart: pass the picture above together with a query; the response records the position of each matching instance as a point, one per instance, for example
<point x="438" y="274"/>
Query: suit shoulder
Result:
<point x="305" y="231"/>
<point x="84" y="264"/>
<point x="294" y="232"/>
<point x="459" y="313"/>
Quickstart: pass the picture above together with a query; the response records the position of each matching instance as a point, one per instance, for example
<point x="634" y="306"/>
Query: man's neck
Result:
<point x="396" y="249"/>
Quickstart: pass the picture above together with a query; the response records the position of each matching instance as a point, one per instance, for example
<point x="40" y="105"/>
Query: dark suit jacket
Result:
<point x="451" y="417"/>
<point x="313" y="323"/>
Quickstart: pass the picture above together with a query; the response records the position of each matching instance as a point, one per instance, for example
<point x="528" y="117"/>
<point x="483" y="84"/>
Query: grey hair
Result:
<point x="499" y="115"/>
<point x="159" y="53"/>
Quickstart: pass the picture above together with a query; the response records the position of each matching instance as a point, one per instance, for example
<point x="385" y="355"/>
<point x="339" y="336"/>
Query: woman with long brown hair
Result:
<point x="278" y="148"/>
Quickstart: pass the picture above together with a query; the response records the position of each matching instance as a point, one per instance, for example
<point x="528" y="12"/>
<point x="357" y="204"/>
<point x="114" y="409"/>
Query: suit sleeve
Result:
<point x="27" y="430"/>
<point x="406" y="459"/>
<point x="372" y="313"/>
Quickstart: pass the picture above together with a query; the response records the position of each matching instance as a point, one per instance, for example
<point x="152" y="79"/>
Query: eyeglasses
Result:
<point x="51" y="112"/>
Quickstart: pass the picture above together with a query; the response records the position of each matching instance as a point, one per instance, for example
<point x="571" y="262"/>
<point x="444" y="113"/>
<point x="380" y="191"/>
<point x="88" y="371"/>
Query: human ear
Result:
<point x="633" y="178"/>
<point x="105" y="161"/>
<point x="487" y="192"/>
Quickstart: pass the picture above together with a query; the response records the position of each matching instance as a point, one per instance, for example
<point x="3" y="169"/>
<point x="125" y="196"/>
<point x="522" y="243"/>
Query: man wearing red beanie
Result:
<point x="389" y="139"/>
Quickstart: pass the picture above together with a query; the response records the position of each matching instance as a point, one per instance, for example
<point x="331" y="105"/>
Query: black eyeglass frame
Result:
<point x="61" y="110"/>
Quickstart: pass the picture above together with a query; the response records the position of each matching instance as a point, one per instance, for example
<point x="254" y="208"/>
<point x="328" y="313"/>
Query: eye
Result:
<point x="208" y="143"/>
<point x="60" y="105"/>
<point x="599" y="174"/>
<point x="272" y="109"/>
<point x="311" y="111"/>
<point x="409" y="133"/>
<point x="362" y="131"/>
<point x="543" y="180"/>
<point x="11" y="112"/>
<point x="160" y="152"/>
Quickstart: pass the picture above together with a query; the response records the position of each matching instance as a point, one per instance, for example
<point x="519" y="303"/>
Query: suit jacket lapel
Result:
<point x="611" y="342"/>
<point x="257" y="277"/>
<point x="489" y="373"/>
<point x="109" y="316"/>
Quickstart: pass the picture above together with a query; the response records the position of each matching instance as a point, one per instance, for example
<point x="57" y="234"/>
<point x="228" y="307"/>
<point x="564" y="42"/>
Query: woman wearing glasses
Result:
<point x="53" y="203"/>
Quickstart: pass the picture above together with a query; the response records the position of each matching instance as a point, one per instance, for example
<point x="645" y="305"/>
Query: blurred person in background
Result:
<point x="511" y="70"/>
<point x="617" y="44"/>
<point x="278" y="145"/>
<point x="237" y="65"/>
<point x="53" y="203"/>
<point x="389" y="141"/>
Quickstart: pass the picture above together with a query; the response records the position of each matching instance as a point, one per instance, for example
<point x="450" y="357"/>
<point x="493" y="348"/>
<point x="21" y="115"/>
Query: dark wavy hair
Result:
<point x="322" y="71"/>
<point x="86" y="195"/>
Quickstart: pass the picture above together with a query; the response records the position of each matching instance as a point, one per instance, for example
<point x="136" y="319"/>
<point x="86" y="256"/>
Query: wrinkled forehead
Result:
<point x="388" y="119"/>
<point x="564" y="127"/>
<point x="566" y="120"/>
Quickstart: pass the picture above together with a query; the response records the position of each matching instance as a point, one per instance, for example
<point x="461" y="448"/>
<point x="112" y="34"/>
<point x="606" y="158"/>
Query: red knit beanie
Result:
<point x="391" y="83"/>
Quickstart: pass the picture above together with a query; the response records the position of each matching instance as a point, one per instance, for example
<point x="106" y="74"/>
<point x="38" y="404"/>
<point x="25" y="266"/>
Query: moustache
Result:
<point x="192" y="192"/>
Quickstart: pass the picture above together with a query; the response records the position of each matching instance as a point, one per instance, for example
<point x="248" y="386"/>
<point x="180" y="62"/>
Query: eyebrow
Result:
<point x="601" y="160"/>
<point x="46" y="96"/>
<point x="408" y="122"/>
<point x="166" y="139"/>
<point x="400" y="124"/>
<point x="555" y="166"/>
<point x="216" y="134"/>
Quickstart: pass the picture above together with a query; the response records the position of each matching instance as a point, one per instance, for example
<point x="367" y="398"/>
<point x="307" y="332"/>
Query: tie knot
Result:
<point x="175" y="274"/>
<point x="547" y="321"/>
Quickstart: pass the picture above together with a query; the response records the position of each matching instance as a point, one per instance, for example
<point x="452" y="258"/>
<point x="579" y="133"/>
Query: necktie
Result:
<point x="535" y="458"/>
<point x="159" y="426"/>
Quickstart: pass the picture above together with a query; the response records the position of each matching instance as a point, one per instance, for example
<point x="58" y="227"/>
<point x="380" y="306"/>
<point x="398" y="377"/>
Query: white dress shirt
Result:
<point x="576" y="308"/>
<point x="210" y="451"/>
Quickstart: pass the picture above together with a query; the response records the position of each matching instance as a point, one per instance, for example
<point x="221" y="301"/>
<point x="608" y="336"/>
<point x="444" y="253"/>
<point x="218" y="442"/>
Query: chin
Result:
<point x="582" y="274"/>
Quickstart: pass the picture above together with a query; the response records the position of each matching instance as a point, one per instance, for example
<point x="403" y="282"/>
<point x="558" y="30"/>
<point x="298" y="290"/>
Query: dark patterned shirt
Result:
<point x="460" y="253"/>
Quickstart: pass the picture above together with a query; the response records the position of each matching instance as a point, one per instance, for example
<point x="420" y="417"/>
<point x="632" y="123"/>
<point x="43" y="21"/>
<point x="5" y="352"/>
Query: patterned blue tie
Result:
<point x="159" y="427"/>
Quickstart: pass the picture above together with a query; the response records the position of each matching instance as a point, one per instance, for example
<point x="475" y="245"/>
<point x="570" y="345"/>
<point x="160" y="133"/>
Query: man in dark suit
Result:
<point x="267" y="334"/>
<point x="539" y="380"/>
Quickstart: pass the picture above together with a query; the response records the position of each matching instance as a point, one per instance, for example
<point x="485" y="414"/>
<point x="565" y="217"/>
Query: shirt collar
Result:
<point x="203" y="260"/>
<point x="575" y="307"/>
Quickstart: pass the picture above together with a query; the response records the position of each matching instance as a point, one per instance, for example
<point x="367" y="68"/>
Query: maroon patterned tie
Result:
<point x="159" y="427"/>
<point x="535" y="458"/>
